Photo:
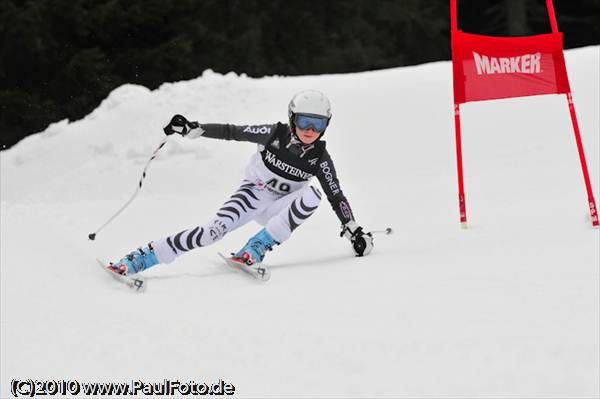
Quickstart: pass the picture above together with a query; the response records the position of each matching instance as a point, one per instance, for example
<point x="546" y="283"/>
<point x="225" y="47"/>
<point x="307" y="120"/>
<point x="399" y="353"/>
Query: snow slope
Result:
<point x="509" y="307"/>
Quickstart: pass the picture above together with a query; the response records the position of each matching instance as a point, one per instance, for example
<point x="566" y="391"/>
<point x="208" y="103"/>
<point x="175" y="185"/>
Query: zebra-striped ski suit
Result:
<point x="275" y="192"/>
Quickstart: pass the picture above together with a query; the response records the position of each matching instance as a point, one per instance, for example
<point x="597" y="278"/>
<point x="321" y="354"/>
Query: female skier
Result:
<point x="275" y="191"/>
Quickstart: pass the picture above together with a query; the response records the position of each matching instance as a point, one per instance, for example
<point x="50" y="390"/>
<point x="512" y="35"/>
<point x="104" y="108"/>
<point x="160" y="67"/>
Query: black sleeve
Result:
<point x="259" y="134"/>
<point x="331" y="185"/>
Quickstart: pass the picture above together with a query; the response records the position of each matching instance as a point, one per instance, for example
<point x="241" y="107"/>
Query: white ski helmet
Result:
<point x="310" y="103"/>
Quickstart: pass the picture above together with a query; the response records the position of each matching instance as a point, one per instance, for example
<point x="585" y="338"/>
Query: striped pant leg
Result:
<point x="238" y="210"/>
<point x="289" y="212"/>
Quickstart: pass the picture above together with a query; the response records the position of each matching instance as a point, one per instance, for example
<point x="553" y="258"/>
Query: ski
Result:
<point x="136" y="283"/>
<point x="258" y="270"/>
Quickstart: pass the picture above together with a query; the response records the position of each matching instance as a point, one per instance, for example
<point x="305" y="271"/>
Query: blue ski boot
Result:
<point x="137" y="261"/>
<point x="255" y="249"/>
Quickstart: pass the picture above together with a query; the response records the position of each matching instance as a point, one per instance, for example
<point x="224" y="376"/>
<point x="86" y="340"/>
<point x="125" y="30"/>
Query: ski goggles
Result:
<point x="318" y="123"/>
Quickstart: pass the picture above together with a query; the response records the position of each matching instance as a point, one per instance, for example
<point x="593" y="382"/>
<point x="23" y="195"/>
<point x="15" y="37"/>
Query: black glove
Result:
<point x="362" y="243"/>
<point x="180" y="125"/>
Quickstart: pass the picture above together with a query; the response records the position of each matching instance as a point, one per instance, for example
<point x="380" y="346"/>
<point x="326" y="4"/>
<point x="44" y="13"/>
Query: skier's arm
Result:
<point x="362" y="243"/>
<point x="259" y="134"/>
<point x="329" y="181"/>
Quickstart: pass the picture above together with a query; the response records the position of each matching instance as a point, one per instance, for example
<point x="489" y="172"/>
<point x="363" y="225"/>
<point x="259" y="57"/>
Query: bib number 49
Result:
<point x="278" y="186"/>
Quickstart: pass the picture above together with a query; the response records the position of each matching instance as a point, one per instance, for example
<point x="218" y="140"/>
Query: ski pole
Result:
<point x="387" y="231"/>
<point x="92" y="236"/>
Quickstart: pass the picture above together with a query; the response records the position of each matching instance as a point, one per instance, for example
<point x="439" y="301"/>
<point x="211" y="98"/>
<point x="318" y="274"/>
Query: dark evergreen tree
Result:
<point x="60" y="58"/>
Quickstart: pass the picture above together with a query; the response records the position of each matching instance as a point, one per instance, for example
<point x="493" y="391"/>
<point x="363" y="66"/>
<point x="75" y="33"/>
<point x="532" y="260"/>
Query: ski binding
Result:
<point x="136" y="283"/>
<point x="257" y="270"/>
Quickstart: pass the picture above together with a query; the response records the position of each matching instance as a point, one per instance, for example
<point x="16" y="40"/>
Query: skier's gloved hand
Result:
<point x="180" y="125"/>
<point x="362" y="243"/>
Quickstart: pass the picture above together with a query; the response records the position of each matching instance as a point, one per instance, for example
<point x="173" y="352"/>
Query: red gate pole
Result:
<point x="552" y="16"/>
<point x="453" y="17"/>
<point x="461" y="187"/>
<point x="586" y="175"/>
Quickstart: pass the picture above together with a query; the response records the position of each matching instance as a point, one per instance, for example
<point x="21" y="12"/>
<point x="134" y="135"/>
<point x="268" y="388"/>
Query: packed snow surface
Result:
<point x="508" y="307"/>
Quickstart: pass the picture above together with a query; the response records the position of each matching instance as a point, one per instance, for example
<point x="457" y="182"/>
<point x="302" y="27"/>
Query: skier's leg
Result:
<point x="287" y="214"/>
<point x="238" y="210"/>
<point x="280" y="220"/>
